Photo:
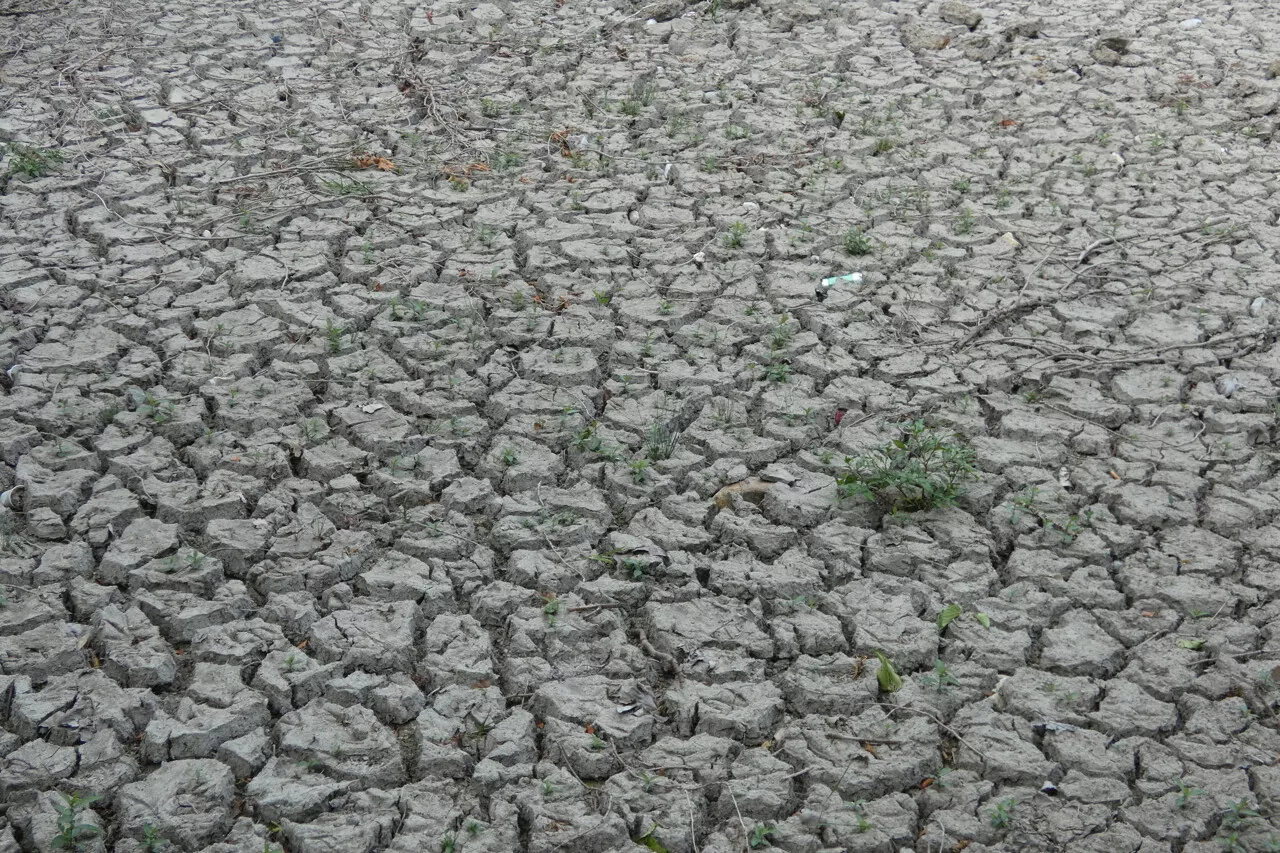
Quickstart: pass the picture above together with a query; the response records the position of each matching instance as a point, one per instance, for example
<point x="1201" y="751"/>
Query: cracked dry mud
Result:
<point x="378" y="369"/>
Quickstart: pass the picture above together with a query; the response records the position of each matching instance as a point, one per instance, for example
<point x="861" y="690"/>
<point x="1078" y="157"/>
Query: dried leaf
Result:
<point x="752" y="488"/>
<point x="367" y="161"/>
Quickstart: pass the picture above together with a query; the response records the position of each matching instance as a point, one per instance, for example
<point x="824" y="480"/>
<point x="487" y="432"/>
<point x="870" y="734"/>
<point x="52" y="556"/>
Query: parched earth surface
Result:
<point x="374" y="371"/>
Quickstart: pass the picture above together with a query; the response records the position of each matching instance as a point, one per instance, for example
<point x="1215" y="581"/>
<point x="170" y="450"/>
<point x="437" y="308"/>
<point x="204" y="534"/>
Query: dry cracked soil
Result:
<point x="425" y="426"/>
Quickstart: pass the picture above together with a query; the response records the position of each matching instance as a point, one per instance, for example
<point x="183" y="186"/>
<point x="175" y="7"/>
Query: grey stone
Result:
<point x="349" y="744"/>
<point x="1006" y="744"/>
<point x="457" y="650"/>
<point x="286" y="789"/>
<point x="143" y="540"/>
<point x="680" y="629"/>
<point x="247" y="754"/>
<point x="218" y="708"/>
<point x="71" y="709"/>
<point x="43" y="652"/>
<point x="1079" y="646"/>
<point x="187" y="801"/>
<point x="1127" y="709"/>
<point x="961" y="14"/>
<point x="832" y="749"/>
<point x="746" y="712"/>
<point x="360" y="821"/>
<point x="378" y="637"/>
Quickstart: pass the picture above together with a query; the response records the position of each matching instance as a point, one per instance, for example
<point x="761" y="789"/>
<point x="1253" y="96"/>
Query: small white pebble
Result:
<point x="700" y="257"/>
<point x="1257" y="306"/>
<point x="1191" y="23"/>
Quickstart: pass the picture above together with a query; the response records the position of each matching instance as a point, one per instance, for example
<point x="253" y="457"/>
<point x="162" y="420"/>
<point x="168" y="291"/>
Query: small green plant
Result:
<point x="883" y="146"/>
<point x="151" y="840"/>
<point x="737" y="131"/>
<point x="509" y="457"/>
<point x="72" y="834"/>
<point x="449" y="843"/>
<point x="1002" y="815"/>
<point x="665" y="306"/>
<point x="481" y="730"/>
<point x="736" y="235"/>
<point x="333" y="334"/>
<point x="345" y="188"/>
<point x="921" y="469"/>
<point x="1231" y="843"/>
<point x="31" y="162"/>
<point x="473" y="828"/>
<point x="639" y="471"/>
<point x="1186" y="794"/>
<point x="660" y="442"/>
<point x="603" y="297"/>
<point x="781" y="336"/>
<point x="856" y="243"/>
<point x="941" y="677"/>
<point x="550" y="608"/>
<point x="965" y="222"/>
<point x="148" y="405"/>
<point x="778" y="370"/>
<point x="1239" y="813"/>
<point x="761" y="835"/>
<point x="859" y="809"/>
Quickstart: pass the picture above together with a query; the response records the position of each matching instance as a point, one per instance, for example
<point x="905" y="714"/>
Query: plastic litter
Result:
<point x="1257" y="306"/>
<point x="11" y="498"/>
<point x="1055" y="726"/>
<point x="853" y="277"/>
<point x="827" y="283"/>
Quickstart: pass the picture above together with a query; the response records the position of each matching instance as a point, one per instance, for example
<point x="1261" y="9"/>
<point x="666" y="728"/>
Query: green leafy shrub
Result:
<point x="921" y="469"/>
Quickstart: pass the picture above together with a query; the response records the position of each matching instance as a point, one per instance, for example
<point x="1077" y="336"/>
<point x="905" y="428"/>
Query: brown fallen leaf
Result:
<point x="367" y="161"/>
<point x="752" y="488"/>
